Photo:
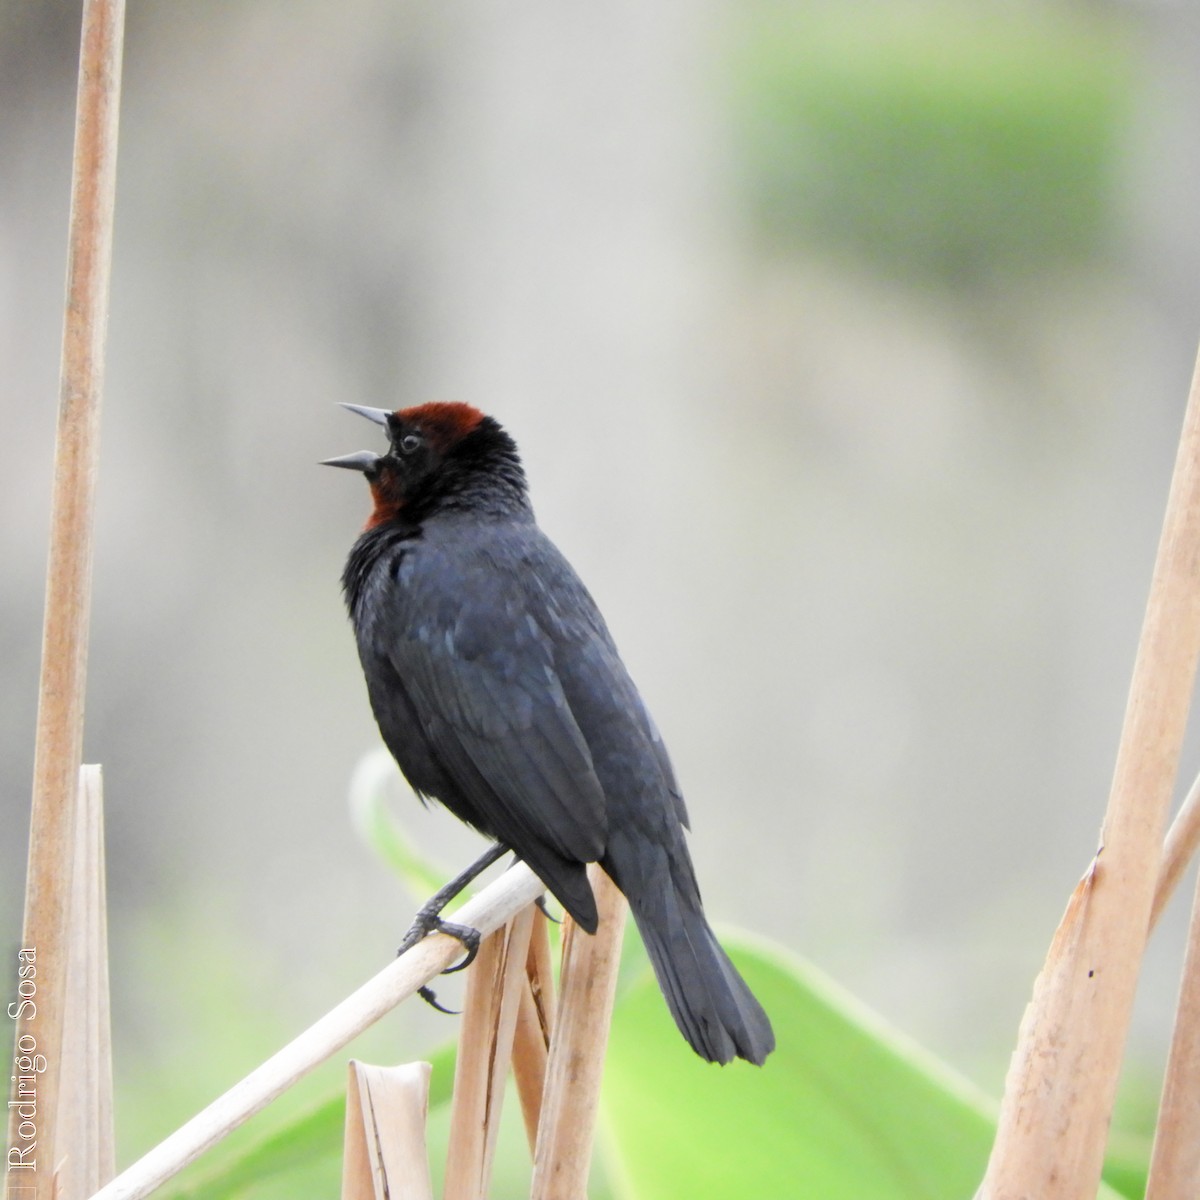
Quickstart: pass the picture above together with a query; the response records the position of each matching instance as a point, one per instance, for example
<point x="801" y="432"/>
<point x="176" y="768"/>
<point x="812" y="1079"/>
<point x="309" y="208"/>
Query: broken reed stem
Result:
<point x="487" y="911"/>
<point x="69" y="573"/>
<point x="495" y="984"/>
<point x="540" y="968"/>
<point x="1059" y="1092"/>
<point x="588" y="987"/>
<point x="1175" y="1161"/>
<point x="1182" y="839"/>
<point x="535" y="1026"/>
<point x="474" y="1092"/>
<point x="84" y="1122"/>
<point x="384" y="1152"/>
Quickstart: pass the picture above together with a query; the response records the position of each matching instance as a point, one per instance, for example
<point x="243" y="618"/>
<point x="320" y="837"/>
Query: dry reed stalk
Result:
<point x="535" y="1024"/>
<point x="69" y="571"/>
<point x="1059" y="1092"/>
<point x="1175" y="1161"/>
<point x="572" y="1097"/>
<point x="1182" y="839"/>
<point x="495" y="983"/>
<point x="85" y="1108"/>
<point x="487" y="911"/>
<point x="385" y="1154"/>
<point x="540" y="968"/>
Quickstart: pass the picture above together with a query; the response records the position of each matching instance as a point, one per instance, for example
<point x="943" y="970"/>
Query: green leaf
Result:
<point x="845" y="1107"/>
<point x="303" y="1144"/>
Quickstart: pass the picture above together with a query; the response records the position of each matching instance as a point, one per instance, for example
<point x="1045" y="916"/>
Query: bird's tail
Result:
<point x="715" y="1010"/>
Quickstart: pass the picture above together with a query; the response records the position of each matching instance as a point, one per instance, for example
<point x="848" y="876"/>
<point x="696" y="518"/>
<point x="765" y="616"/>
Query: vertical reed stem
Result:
<point x="68" y="583"/>
<point x="84" y="1122"/>
<point x="1061" y="1083"/>
<point x="1175" y="1162"/>
<point x="494" y="988"/>
<point x="535" y="1028"/>
<point x="585" y="1002"/>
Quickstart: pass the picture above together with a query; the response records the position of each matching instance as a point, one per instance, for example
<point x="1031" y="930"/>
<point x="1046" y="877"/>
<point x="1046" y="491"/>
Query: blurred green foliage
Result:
<point x="943" y="142"/>
<point x="846" y="1106"/>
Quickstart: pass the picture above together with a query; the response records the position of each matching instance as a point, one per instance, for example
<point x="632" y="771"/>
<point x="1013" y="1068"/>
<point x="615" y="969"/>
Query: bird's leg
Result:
<point x="428" y="919"/>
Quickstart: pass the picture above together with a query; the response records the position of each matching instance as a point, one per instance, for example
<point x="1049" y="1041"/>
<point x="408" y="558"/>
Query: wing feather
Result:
<point x="481" y="671"/>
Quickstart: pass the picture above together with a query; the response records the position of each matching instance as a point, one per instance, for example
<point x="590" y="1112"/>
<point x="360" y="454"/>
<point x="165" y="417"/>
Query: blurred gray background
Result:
<point x="847" y="348"/>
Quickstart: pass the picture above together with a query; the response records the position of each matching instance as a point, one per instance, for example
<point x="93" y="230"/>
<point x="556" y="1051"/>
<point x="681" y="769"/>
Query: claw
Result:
<point x="430" y="997"/>
<point x="427" y="923"/>
<point x="541" y="903"/>
<point x="470" y="939"/>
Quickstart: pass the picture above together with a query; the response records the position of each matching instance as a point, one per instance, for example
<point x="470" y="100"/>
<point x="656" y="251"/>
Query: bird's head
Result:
<point x="439" y="456"/>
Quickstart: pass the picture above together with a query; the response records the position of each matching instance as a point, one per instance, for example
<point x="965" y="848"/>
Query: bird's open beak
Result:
<point x="361" y="460"/>
<point x="378" y="415"/>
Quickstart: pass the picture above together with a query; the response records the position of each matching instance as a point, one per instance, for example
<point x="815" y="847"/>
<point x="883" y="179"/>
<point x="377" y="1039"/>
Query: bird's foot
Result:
<point x="428" y="920"/>
<point x="541" y="903"/>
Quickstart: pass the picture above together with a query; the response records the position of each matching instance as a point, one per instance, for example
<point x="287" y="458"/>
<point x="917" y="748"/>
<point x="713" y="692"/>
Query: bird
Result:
<point x="499" y="691"/>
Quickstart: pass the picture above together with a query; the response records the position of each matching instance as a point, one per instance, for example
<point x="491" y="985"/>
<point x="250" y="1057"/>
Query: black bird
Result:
<point x="499" y="691"/>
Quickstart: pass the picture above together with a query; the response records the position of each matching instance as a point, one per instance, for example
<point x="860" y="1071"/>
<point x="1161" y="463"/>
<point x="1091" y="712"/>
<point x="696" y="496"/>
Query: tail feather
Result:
<point x="715" y="1011"/>
<point x="568" y="882"/>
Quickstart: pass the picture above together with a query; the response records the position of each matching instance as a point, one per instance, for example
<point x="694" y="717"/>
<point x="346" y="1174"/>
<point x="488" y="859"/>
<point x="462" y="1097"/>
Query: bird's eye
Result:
<point x="409" y="443"/>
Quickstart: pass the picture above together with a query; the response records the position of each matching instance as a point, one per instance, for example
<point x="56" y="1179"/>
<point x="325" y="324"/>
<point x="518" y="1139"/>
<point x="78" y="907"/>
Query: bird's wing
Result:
<point x="621" y="732"/>
<point x="478" y="664"/>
